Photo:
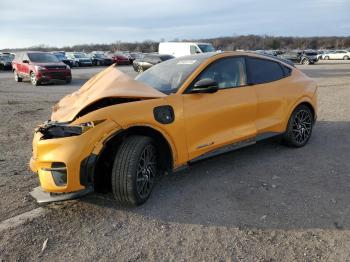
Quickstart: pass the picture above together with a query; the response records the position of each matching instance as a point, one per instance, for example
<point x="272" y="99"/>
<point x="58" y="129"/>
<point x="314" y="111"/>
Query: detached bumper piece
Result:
<point x="44" y="197"/>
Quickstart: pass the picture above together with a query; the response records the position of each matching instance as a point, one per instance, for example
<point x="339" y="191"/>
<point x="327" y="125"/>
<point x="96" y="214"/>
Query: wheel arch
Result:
<point x="302" y="101"/>
<point x="307" y="102"/>
<point x="103" y="166"/>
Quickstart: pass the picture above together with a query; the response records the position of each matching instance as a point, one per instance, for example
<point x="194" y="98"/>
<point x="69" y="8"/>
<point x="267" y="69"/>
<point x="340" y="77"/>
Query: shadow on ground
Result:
<point x="263" y="186"/>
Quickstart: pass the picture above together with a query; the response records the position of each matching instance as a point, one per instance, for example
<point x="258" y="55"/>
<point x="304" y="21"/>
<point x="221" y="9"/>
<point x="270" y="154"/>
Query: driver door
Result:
<point x="25" y="66"/>
<point x="214" y="120"/>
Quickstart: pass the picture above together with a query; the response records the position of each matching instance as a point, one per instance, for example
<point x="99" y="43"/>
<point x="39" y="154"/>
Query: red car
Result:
<point x="120" y="59"/>
<point x="40" y="67"/>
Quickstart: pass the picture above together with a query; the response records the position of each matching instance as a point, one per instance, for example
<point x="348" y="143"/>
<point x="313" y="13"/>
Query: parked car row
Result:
<point x="96" y="58"/>
<point x="308" y="57"/>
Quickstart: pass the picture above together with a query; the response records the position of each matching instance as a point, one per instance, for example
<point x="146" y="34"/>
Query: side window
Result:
<point x="263" y="71"/>
<point x="193" y="49"/>
<point x="227" y="72"/>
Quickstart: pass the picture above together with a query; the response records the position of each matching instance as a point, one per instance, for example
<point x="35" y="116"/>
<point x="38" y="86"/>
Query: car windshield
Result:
<point x="79" y="55"/>
<point x="60" y="56"/>
<point x="42" y="58"/>
<point x="5" y="58"/>
<point x="100" y="55"/>
<point x="206" y="48"/>
<point x="168" y="76"/>
<point x="310" y="53"/>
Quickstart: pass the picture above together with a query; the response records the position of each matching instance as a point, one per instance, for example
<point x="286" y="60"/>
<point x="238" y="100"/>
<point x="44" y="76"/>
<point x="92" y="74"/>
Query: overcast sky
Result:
<point x="26" y="23"/>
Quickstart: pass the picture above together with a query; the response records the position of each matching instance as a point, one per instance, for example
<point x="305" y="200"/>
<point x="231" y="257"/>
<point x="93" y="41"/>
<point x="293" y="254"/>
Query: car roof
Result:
<point x="205" y="56"/>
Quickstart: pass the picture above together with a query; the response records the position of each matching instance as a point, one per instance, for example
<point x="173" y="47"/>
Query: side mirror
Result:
<point x="206" y="85"/>
<point x="25" y="61"/>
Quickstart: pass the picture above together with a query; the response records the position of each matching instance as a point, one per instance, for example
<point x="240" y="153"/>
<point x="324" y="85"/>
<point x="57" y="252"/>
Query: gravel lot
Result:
<point x="261" y="203"/>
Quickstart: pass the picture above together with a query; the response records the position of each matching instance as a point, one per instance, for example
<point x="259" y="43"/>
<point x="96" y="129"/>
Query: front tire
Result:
<point x="33" y="79"/>
<point x="134" y="170"/>
<point x="305" y="61"/>
<point x="299" y="128"/>
<point x="346" y="57"/>
<point x="326" y="58"/>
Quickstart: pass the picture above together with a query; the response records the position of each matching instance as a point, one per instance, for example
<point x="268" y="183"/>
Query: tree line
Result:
<point x="242" y="42"/>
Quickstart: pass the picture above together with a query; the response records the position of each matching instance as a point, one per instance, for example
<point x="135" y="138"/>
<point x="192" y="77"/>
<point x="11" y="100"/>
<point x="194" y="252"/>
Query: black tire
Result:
<point x="346" y="57"/>
<point x="33" y="79"/>
<point x="133" y="174"/>
<point x="17" y="77"/>
<point x="326" y="58"/>
<point x="68" y="81"/>
<point x="299" y="128"/>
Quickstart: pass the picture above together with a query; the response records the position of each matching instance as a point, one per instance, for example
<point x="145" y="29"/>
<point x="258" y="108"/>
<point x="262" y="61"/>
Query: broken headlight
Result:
<point x="58" y="130"/>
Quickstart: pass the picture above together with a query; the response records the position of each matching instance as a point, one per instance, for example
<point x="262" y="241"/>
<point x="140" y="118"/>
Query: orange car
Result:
<point x="117" y="134"/>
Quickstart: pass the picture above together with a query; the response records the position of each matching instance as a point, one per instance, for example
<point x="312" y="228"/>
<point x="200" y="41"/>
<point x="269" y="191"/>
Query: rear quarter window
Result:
<point x="264" y="71"/>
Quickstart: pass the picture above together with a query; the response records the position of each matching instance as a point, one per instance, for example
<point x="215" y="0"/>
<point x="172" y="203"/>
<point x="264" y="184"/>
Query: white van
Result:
<point x="178" y="49"/>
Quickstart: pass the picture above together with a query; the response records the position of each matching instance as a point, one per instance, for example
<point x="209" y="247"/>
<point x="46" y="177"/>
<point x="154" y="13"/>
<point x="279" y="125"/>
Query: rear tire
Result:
<point x="326" y="58"/>
<point x="17" y="78"/>
<point x="134" y="170"/>
<point x="299" y="128"/>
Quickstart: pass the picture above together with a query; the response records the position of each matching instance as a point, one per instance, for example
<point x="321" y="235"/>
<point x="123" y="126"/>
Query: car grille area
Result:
<point x="56" y="67"/>
<point x="55" y="75"/>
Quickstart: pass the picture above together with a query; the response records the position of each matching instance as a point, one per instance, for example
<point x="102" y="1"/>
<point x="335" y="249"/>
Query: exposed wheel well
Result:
<point x="104" y="164"/>
<point x="310" y="107"/>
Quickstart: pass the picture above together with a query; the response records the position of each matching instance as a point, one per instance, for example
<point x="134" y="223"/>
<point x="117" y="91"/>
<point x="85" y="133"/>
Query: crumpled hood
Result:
<point x="110" y="83"/>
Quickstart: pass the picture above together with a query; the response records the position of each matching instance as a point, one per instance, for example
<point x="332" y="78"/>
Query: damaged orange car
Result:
<point x="118" y="134"/>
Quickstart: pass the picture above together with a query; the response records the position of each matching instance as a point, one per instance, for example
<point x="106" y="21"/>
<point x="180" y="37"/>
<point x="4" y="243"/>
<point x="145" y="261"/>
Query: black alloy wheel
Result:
<point x="299" y="127"/>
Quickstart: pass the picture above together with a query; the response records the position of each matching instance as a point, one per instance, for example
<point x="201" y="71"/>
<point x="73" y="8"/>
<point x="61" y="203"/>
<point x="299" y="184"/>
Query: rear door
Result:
<point x="268" y="78"/>
<point x="214" y="120"/>
<point x="337" y="55"/>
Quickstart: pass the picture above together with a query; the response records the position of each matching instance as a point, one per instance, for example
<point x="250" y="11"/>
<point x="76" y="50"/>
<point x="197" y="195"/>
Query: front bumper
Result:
<point x="44" y="197"/>
<point x="52" y="76"/>
<point x="85" y="63"/>
<point x="74" y="153"/>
